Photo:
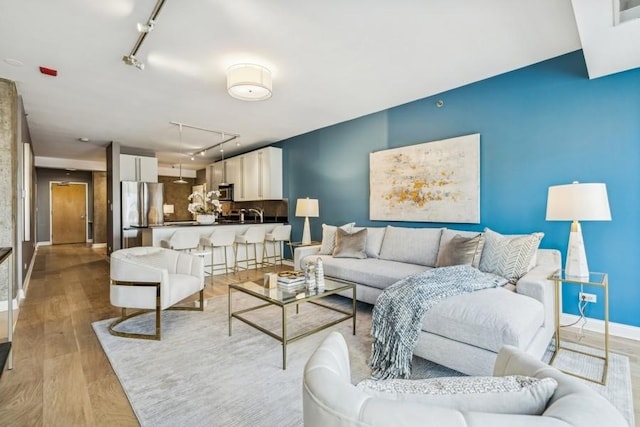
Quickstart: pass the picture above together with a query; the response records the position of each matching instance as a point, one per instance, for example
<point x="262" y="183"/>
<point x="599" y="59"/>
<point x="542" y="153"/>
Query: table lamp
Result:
<point x="307" y="208"/>
<point x="577" y="202"/>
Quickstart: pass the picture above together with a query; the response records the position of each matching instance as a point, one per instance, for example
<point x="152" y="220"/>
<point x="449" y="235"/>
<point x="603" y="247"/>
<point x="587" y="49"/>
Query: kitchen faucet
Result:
<point x="257" y="212"/>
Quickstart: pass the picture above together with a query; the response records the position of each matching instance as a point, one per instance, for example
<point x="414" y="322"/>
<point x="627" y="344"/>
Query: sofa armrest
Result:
<point x="534" y="284"/>
<point x="303" y="251"/>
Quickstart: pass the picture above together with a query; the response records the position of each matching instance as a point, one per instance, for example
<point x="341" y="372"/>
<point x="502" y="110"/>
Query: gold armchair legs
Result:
<point x="158" y="311"/>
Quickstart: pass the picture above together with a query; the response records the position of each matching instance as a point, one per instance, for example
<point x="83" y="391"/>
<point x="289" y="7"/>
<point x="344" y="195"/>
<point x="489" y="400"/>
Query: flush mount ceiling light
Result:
<point x="249" y="82"/>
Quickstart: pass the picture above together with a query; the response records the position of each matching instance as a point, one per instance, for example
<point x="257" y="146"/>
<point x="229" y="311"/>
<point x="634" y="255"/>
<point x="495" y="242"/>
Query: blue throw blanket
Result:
<point x="400" y="309"/>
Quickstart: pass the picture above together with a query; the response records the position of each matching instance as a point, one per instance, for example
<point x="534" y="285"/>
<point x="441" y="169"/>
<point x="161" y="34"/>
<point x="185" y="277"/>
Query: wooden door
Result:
<point x="68" y="213"/>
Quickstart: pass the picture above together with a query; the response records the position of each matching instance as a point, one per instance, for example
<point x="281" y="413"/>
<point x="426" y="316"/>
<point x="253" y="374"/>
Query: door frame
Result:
<point x="86" y="208"/>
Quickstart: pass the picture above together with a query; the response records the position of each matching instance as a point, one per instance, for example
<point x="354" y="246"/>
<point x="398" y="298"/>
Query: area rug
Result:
<point x="198" y="375"/>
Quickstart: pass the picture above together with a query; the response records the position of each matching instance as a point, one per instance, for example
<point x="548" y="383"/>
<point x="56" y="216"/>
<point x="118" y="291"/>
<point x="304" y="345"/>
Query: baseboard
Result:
<point x="43" y="244"/>
<point x="98" y="245"/>
<point x="597" y="325"/>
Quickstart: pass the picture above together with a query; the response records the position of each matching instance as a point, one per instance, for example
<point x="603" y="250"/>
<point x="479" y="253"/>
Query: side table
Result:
<point x="595" y="279"/>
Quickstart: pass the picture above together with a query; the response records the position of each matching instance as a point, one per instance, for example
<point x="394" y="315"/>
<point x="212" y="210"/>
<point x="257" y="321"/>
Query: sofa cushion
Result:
<point x="350" y="245"/>
<point x="375" y="235"/>
<point x="375" y="273"/>
<point x="508" y="256"/>
<point x="411" y="245"/>
<point x="488" y="319"/>
<point x="329" y="237"/>
<point x="460" y="251"/>
<point x="513" y="394"/>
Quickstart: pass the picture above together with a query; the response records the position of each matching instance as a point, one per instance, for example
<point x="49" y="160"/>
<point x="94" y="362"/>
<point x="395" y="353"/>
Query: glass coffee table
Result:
<point x="284" y="298"/>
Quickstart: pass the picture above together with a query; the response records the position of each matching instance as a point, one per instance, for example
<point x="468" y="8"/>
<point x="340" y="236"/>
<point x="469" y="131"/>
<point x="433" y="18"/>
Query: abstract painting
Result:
<point x="435" y="181"/>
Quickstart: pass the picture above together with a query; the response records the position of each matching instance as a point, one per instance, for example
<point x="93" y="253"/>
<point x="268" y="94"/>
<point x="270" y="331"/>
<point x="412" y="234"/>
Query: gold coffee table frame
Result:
<point x="600" y="280"/>
<point x="283" y="299"/>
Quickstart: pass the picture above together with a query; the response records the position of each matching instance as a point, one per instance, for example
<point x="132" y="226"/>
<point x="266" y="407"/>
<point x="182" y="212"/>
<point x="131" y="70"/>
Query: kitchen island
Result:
<point x="151" y="236"/>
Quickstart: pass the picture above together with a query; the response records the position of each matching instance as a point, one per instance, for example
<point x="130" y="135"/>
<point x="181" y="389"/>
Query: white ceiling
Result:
<point x="332" y="61"/>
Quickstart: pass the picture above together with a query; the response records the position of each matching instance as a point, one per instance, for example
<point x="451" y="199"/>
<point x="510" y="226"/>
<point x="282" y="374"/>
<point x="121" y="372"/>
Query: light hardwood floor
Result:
<point x="61" y="376"/>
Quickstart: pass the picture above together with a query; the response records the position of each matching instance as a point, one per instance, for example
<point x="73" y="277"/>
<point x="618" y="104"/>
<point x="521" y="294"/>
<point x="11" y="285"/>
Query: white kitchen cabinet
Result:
<point x="216" y="175"/>
<point x="138" y="168"/>
<point x="261" y="174"/>
<point x="256" y="175"/>
<point x="233" y="171"/>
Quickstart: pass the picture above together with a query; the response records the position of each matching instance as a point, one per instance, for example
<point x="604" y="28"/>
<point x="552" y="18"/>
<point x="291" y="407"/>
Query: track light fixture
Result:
<point x="132" y="60"/>
<point x="143" y="29"/>
<point x="146" y="28"/>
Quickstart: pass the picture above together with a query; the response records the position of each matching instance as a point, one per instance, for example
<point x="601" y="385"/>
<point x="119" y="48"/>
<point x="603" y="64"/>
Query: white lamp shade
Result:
<point x="249" y="82"/>
<point x="578" y="202"/>
<point x="307" y="207"/>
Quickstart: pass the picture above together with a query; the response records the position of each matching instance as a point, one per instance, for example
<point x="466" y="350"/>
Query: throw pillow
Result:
<point x="350" y="245"/>
<point x="461" y="251"/>
<point x="514" y="394"/>
<point x="329" y="237"/>
<point x="508" y="256"/>
<point x="375" y="235"/>
<point x="411" y="245"/>
<point x="449" y="233"/>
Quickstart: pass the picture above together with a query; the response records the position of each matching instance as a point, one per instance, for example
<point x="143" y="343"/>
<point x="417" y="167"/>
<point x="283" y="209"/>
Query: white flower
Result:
<point x="207" y="204"/>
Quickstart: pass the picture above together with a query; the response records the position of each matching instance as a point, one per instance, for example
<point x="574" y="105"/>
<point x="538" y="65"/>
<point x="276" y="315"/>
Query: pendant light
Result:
<point x="181" y="180"/>
<point x="224" y="167"/>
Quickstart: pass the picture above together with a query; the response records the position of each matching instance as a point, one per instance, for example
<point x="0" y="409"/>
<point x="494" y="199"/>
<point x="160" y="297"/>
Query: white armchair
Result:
<point x="329" y="398"/>
<point x="152" y="278"/>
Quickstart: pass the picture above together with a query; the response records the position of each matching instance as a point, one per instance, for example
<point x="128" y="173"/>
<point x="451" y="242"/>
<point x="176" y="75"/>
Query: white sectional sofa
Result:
<point x="463" y="332"/>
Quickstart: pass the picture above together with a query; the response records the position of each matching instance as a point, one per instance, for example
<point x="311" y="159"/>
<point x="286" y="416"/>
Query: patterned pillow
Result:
<point x="514" y="394"/>
<point x="508" y="256"/>
<point x="329" y="237"/>
<point x="350" y="245"/>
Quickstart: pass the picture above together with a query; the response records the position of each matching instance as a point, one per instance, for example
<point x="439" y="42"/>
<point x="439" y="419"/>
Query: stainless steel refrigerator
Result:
<point x="141" y="204"/>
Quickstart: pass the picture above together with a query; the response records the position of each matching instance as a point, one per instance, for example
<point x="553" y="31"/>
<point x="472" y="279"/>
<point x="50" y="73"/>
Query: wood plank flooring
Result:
<point x="61" y="376"/>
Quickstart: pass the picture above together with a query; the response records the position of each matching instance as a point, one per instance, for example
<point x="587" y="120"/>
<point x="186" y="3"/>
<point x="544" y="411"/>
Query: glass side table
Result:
<point x="601" y="280"/>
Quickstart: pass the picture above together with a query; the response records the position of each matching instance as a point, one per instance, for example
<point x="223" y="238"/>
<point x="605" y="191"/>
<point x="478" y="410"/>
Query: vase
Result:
<point x="205" y="218"/>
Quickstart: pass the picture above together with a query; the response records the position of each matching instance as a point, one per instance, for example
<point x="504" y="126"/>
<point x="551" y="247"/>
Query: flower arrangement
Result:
<point x="207" y="204"/>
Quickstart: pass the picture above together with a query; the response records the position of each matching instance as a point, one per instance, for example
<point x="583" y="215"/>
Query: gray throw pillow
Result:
<point x="350" y="245"/>
<point x="461" y="251"/>
<point x="514" y="394"/>
<point x="329" y="237"/>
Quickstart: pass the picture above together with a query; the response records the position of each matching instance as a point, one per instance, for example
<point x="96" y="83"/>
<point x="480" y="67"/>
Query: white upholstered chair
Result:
<point x="181" y="240"/>
<point x="153" y="279"/>
<point x="279" y="235"/>
<point x="221" y="238"/>
<point x="329" y="398"/>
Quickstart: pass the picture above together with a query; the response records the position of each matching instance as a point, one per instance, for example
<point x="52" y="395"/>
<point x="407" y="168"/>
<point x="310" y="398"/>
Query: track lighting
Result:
<point x="132" y="60"/>
<point x="143" y="29"/>
<point x="146" y="28"/>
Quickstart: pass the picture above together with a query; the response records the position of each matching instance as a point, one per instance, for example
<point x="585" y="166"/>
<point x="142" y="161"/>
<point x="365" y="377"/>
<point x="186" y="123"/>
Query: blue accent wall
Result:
<point x="542" y="125"/>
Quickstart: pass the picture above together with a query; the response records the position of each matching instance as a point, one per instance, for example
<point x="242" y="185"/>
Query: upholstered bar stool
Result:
<point x="219" y="239"/>
<point x="279" y="235"/>
<point x="252" y="236"/>
<point x="181" y="240"/>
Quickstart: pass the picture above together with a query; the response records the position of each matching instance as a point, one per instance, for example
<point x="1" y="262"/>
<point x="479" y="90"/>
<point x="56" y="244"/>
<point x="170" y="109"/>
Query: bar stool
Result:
<point x="181" y="240"/>
<point x="252" y="236"/>
<point x="280" y="234"/>
<point x="222" y="238"/>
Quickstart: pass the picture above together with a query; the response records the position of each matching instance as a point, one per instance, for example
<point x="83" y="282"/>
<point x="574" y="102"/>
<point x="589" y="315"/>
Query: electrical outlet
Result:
<point x="588" y="297"/>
